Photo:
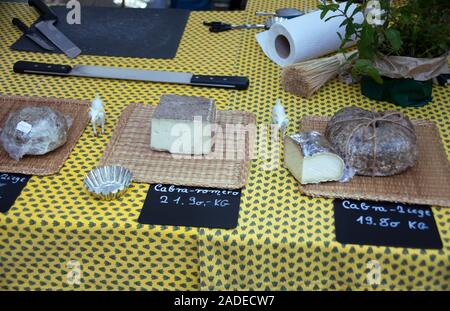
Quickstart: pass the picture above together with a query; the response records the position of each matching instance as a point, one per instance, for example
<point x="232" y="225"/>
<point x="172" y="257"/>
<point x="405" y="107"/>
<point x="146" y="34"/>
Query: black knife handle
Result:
<point x="221" y="28"/>
<point x="232" y="82"/>
<point x="21" y="25"/>
<point x="213" y="24"/>
<point x="218" y="26"/>
<point x="41" y="68"/>
<point x="45" y="12"/>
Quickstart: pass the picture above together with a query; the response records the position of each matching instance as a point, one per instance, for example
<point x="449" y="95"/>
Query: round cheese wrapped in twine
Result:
<point x="373" y="143"/>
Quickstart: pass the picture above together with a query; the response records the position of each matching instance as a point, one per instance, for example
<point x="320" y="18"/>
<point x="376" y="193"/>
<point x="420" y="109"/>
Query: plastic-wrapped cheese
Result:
<point x="311" y="159"/>
<point x="34" y="131"/>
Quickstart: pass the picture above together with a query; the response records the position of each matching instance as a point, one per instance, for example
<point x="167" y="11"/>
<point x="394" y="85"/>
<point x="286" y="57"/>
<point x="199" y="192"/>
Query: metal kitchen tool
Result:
<point x="46" y="25"/>
<point x="285" y="12"/>
<point x="232" y="82"/>
<point x="32" y="35"/>
<point x="220" y="27"/>
<point x="108" y="182"/>
<point x="274" y="20"/>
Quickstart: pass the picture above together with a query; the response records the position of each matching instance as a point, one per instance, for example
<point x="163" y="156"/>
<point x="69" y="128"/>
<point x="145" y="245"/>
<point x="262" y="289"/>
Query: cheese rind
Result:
<point x="183" y="125"/>
<point x="311" y="159"/>
<point x="185" y="108"/>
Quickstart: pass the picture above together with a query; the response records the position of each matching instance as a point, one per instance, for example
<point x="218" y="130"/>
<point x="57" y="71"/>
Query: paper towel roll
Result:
<point x="304" y="37"/>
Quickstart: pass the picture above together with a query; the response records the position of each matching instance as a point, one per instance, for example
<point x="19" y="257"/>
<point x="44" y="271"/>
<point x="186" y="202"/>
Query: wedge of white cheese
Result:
<point x="311" y="159"/>
<point x="183" y="125"/>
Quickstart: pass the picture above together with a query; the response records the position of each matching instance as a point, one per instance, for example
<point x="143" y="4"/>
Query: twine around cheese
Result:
<point x="372" y="122"/>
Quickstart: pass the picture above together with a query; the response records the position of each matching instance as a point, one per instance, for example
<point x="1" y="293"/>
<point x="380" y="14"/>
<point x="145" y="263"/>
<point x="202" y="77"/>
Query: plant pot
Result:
<point x="407" y="80"/>
<point x="404" y="67"/>
<point x="401" y="92"/>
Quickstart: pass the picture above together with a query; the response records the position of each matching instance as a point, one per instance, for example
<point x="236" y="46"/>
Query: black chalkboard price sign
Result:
<point x="385" y="224"/>
<point x="10" y="187"/>
<point x="190" y="206"/>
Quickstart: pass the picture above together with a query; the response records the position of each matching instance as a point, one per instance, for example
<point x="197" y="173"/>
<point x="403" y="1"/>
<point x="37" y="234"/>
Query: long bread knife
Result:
<point x="231" y="82"/>
<point x="46" y="25"/>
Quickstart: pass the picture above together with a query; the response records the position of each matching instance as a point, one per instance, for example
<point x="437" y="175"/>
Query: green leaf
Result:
<point x="366" y="43"/>
<point x="356" y="10"/>
<point x="323" y="13"/>
<point x="365" y="67"/>
<point x="362" y="64"/>
<point x="375" y="75"/>
<point x="333" y="6"/>
<point x="344" y="22"/>
<point x="321" y="6"/>
<point x="349" y="30"/>
<point x="443" y="46"/>
<point x="331" y="17"/>
<point x="347" y="6"/>
<point x="394" y="38"/>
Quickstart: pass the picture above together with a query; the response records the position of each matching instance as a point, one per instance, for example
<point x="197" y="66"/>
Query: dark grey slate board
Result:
<point x="385" y="224"/>
<point x="11" y="186"/>
<point x="126" y="32"/>
<point x="190" y="206"/>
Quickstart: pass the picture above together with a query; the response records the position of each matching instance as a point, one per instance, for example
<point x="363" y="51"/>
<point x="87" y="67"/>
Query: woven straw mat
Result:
<point x="51" y="162"/>
<point x="130" y="147"/>
<point x="428" y="182"/>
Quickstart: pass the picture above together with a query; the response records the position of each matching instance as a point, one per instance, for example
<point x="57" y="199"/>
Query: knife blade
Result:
<point x="46" y="26"/>
<point x="32" y="35"/>
<point x="231" y="82"/>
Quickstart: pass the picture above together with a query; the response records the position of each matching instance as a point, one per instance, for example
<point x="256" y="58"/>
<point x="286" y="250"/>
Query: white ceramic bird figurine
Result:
<point x="97" y="113"/>
<point x="279" y="116"/>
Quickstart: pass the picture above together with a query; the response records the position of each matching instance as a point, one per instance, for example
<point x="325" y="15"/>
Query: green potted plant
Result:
<point x="400" y="47"/>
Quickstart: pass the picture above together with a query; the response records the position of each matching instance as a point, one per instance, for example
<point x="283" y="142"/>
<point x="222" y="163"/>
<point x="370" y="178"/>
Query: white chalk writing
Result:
<point x="175" y="189"/>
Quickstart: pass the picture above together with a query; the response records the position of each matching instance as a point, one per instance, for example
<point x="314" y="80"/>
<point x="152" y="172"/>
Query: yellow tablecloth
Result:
<point x="284" y="240"/>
